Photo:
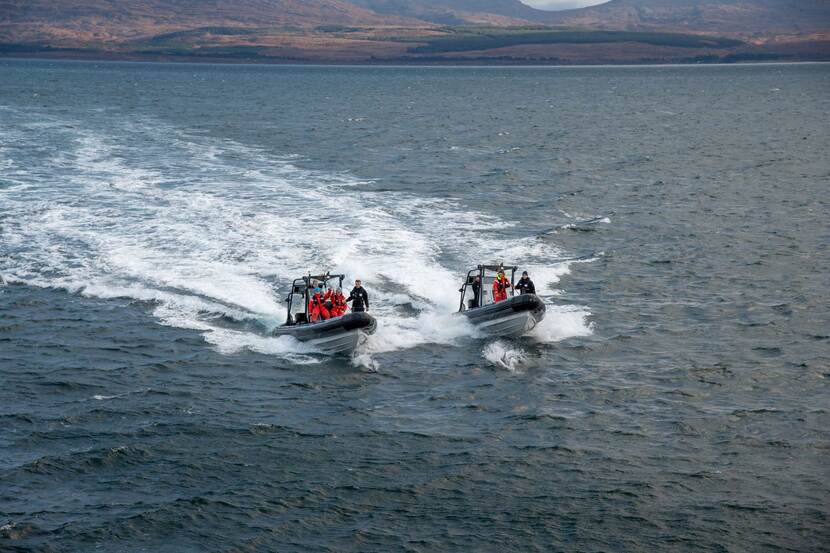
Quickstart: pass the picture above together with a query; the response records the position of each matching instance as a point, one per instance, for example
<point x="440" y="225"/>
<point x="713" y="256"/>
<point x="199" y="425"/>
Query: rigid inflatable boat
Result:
<point x="513" y="316"/>
<point x="335" y="335"/>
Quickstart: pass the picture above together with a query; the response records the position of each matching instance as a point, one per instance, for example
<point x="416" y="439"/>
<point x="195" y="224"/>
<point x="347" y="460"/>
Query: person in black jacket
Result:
<point x="359" y="297"/>
<point x="476" y="290"/>
<point x="525" y="285"/>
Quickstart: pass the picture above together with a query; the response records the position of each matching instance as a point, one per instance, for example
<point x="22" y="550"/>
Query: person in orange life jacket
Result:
<point x="313" y="309"/>
<point x="327" y="300"/>
<point x="359" y="296"/>
<point x="339" y="304"/>
<point x="313" y="313"/>
<point x="333" y="301"/>
<point x="316" y="308"/>
<point x="500" y="286"/>
<point x="325" y="310"/>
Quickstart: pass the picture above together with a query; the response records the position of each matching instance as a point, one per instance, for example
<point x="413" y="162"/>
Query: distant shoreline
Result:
<point x="77" y="55"/>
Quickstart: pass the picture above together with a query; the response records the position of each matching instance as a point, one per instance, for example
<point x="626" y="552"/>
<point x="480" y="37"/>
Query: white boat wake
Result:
<point x="210" y="232"/>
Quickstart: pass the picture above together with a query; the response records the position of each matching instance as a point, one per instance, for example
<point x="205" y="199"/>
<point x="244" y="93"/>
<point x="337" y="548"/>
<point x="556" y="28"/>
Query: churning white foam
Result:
<point x="212" y="231"/>
<point x="430" y="327"/>
<point x="502" y="355"/>
<point x="562" y="322"/>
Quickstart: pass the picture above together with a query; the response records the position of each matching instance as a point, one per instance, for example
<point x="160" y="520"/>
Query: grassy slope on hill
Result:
<point x="488" y="39"/>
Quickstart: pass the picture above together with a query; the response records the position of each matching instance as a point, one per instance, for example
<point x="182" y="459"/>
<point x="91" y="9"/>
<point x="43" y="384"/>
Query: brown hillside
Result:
<point x="69" y="23"/>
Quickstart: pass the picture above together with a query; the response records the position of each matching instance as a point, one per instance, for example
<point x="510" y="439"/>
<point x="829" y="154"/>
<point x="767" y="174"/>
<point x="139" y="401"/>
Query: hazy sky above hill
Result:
<point x="561" y="4"/>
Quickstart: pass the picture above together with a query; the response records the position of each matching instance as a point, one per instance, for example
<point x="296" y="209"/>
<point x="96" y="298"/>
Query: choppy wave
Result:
<point x="210" y="232"/>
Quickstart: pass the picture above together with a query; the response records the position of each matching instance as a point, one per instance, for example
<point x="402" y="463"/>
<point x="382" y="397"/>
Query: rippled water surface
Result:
<point x="674" y="219"/>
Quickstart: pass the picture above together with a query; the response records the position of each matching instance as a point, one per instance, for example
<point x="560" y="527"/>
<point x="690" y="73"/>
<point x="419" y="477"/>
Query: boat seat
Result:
<point x="300" y="318"/>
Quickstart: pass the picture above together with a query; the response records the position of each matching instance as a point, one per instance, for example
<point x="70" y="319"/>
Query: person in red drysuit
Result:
<point x="500" y="286"/>
<point x="339" y="304"/>
<point x="328" y="301"/>
<point x="313" y="310"/>
<point x="317" y="307"/>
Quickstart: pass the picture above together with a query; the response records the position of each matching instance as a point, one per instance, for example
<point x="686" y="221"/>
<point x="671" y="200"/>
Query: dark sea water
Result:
<point x="675" y="220"/>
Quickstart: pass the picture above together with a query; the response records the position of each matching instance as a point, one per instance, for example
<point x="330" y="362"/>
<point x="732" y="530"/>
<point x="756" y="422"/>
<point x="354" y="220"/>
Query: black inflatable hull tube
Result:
<point x="339" y="335"/>
<point x="512" y="317"/>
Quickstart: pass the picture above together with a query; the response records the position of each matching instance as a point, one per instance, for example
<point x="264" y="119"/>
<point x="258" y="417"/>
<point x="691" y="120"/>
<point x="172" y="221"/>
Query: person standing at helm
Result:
<point x="525" y="285"/>
<point x="358" y="297"/>
<point x="500" y="286"/>
<point x="477" y="290"/>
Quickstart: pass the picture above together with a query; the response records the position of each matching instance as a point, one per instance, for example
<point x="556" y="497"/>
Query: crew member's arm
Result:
<point x="366" y="299"/>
